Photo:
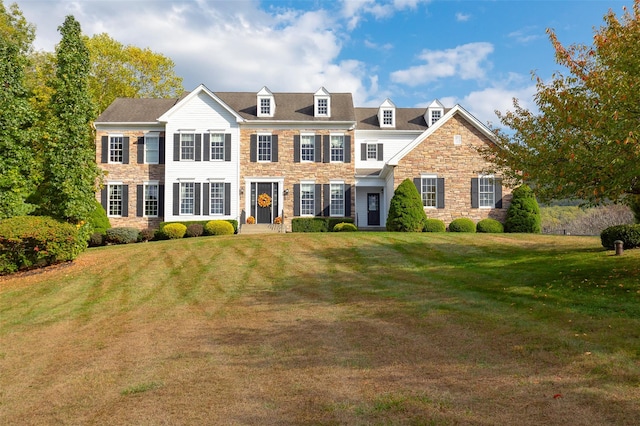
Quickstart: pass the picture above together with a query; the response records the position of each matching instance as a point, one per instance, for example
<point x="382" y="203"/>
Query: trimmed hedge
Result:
<point x="28" y="242"/>
<point x="523" y="214"/>
<point x="406" y="212"/>
<point x="186" y="223"/>
<point x="628" y="234"/>
<point x="345" y="227"/>
<point x="123" y="235"/>
<point x="146" y="234"/>
<point x="98" y="219"/>
<point x="174" y="231"/>
<point x="462" y="224"/>
<point x="490" y="226"/>
<point x="194" y="230"/>
<point x="317" y="224"/>
<point x="434" y="225"/>
<point x="218" y="227"/>
<point x="96" y="239"/>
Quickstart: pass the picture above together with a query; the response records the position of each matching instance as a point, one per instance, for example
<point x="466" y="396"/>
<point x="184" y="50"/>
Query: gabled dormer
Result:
<point x="387" y="114"/>
<point x="266" y="103"/>
<point x="322" y="103"/>
<point x="434" y="112"/>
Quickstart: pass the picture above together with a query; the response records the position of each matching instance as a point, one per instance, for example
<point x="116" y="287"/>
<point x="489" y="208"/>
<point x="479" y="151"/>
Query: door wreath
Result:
<point x="264" y="200"/>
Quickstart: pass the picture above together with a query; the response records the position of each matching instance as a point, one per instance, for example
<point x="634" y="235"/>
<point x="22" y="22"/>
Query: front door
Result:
<point x="264" y="201"/>
<point x="373" y="209"/>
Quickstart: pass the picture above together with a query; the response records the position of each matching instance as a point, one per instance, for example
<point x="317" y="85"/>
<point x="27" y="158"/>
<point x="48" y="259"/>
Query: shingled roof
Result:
<point x="406" y="119"/>
<point x="130" y="110"/>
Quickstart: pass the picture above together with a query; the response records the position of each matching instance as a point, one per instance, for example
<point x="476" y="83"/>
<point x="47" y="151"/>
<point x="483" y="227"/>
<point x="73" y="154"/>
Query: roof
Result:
<point x="132" y="110"/>
<point x="289" y="106"/>
<point x="406" y="119"/>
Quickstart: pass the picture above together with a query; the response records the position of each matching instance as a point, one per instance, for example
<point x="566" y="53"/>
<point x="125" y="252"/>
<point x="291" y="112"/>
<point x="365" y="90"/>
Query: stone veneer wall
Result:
<point x="457" y="164"/>
<point x="292" y="172"/>
<point x="131" y="174"/>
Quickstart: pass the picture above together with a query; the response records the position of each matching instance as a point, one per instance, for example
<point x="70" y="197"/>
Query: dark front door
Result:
<point x="263" y="214"/>
<point x="373" y="209"/>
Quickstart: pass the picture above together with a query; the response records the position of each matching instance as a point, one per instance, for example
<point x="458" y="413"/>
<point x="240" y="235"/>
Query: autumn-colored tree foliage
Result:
<point x="582" y="143"/>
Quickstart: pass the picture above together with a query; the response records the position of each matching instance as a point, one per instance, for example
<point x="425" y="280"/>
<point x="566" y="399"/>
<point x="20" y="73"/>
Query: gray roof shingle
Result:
<point x="406" y="119"/>
<point x="130" y="110"/>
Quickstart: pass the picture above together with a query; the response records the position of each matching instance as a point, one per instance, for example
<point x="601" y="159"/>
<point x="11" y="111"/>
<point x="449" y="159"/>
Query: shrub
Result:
<point x="123" y="235"/>
<point x="523" y="214"/>
<point x="35" y="241"/>
<point x="462" y="224"/>
<point x="434" y="225"/>
<point x="218" y="227"/>
<point x="98" y="219"/>
<point x="628" y="234"/>
<point x="317" y="224"/>
<point x="345" y="227"/>
<point x="490" y="226"/>
<point x="194" y="230"/>
<point x="146" y="234"/>
<point x="233" y="223"/>
<point x="96" y="239"/>
<point x="174" y="231"/>
<point x="406" y="213"/>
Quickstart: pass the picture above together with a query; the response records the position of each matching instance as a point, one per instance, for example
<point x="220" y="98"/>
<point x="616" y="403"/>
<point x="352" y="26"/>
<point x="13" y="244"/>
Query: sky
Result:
<point x="477" y="53"/>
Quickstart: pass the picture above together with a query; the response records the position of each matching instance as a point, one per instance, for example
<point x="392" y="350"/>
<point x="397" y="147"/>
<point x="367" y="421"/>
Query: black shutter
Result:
<point x="198" y="197"/>
<point x="498" y="192"/>
<point x="125" y="150"/>
<point x="253" y="148"/>
<point x="363" y="152"/>
<point x="160" y="200"/>
<point x="347" y="200"/>
<point x="475" y="199"/>
<point x="198" y="147"/>
<point x="125" y="200"/>
<point x="139" y="200"/>
<point x="440" y="193"/>
<point x="227" y="198"/>
<point x="176" y="147"/>
<point x="326" y="210"/>
<point x="176" y="199"/>
<point x="206" y="206"/>
<point x="317" y="199"/>
<point x="274" y="148"/>
<point x="140" y="150"/>
<point x="418" y="183"/>
<point x="296" y="148"/>
<point x="380" y="152"/>
<point x="161" y="146"/>
<point x="104" y="199"/>
<point x="296" y="199"/>
<point x="317" y="149"/>
<point x="105" y="149"/>
<point x="227" y="147"/>
<point x="327" y="148"/>
<point x="347" y="149"/>
<point x="206" y="141"/>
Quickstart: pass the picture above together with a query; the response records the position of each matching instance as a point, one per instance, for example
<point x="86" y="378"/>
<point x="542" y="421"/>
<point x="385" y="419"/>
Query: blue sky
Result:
<point x="479" y="54"/>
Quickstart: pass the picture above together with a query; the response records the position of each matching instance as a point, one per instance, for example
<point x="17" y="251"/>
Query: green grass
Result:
<point x="328" y="329"/>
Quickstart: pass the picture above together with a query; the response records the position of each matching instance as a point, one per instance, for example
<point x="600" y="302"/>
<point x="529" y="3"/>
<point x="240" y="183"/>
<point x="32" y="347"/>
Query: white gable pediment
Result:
<point x="191" y="97"/>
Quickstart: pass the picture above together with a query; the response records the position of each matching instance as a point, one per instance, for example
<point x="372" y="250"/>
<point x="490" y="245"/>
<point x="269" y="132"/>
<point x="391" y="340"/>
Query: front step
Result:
<point x="260" y="228"/>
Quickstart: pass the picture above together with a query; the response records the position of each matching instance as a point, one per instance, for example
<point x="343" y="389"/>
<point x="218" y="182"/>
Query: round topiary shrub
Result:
<point x="490" y="226"/>
<point x="146" y="234"/>
<point x="98" y="219"/>
<point x="123" y="235"/>
<point x="194" y="230"/>
<point x="174" y="231"/>
<point x="434" y="225"/>
<point x="345" y="227"/>
<point x="628" y="234"/>
<point x="523" y="214"/>
<point x="218" y="227"/>
<point x="462" y="224"/>
<point x="406" y="213"/>
<point x="96" y="239"/>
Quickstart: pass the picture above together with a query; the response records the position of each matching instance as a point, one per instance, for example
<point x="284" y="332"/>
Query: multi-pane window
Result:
<point x="337" y="200"/>
<point x="486" y="191"/>
<point x="115" y="200"/>
<point x="429" y="191"/>
<point x="217" y="146"/>
<point x="307" y="143"/>
<point x="337" y="148"/>
<point x="323" y="106"/>
<point x="387" y="117"/>
<point x="307" y="199"/>
<point x="151" y="148"/>
<point x="435" y="115"/>
<point x="151" y="199"/>
<point x="115" y="149"/>
<point x="217" y="198"/>
<point x="265" y="106"/>
<point x="187" y="146"/>
<point x="372" y="151"/>
<point x="264" y="147"/>
<point x="187" y="197"/>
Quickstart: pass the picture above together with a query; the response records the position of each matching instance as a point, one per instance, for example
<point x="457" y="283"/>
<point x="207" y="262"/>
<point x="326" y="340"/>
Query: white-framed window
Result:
<point x="457" y="140"/>
<point x="436" y="115"/>
<point x="216" y="198"/>
<point x="187" y="146"/>
<point x="265" y="106"/>
<point x="323" y="107"/>
<point x="387" y="117"/>
<point x="115" y="199"/>
<point x="151" y="199"/>
<point x="307" y="199"/>
<point x="486" y="191"/>
<point x="336" y="204"/>
<point x="264" y="147"/>
<point x="217" y="146"/>
<point x="372" y="152"/>
<point x="116" y="148"/>
<point x="337" y="148"/>
<point x="307" y="145"/>
<point x="187" y="197"/>
<point x="429" y="191"/>
<point x="152" y="148"/>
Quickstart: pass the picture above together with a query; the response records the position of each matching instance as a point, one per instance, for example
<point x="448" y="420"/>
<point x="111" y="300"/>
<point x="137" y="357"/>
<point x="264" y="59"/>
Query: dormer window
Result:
<point x="265" y="106"/>
<point x="266" y="103"/>
<point x="387" y="114"/>
<point x="434" y="112"/>
<point x="322" y="103"/>
<point x="387" y="117"/>
<point x="435" y="116"/>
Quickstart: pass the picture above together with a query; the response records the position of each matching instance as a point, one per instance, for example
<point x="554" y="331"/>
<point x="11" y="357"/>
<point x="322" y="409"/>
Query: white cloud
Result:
<point x="355" y="10"/>
<point x="462" y="17"/>
<point x="372" y="45"/>
<point x="526" y="35"/>
<point x="467" y="62"/>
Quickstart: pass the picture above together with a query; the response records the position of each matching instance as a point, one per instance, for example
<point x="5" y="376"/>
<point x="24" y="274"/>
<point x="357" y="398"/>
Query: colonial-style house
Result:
<point x="276" y="156"/>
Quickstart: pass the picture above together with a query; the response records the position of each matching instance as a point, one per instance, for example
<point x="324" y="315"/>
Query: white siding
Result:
<point x="392" y="141"/>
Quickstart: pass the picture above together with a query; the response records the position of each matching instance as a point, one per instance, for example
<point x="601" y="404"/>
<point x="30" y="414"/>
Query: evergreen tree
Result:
<point x="523" y="214"/>
<point x="406" y="213"/>
<point x="70" y="169"/>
